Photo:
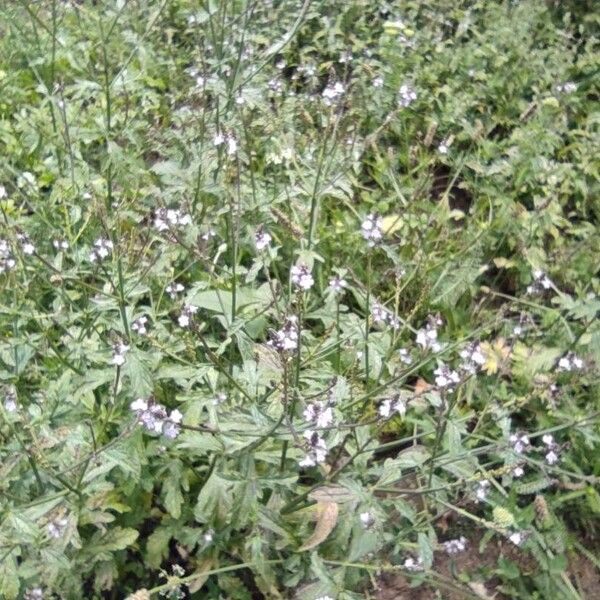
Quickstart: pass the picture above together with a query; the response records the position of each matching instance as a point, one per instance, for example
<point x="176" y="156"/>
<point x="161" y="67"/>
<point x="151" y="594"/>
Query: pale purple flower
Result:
<point x="317" y="450"/>
<point x="302" y="277"/>
<point x="406" y="95"/>
<point x="372" y="229"/>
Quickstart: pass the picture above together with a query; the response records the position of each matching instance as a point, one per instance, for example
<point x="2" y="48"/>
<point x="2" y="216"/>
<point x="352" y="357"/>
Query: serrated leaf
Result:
<point x="157" y="547"/>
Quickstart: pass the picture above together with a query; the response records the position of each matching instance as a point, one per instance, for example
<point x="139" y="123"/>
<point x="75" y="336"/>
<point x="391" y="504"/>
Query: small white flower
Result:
<point x="406" y="95"/>
<point x="482" y="490"/>
<point x="232" y="145"/>
<point x="517" y="538"/>
<point x="176" y="416"/>
<point x="366" y="519"/>
<point x="208" y="536"/>
<point x="219" y="399"/>
<point x="139" y="405"/>
<point x="378" y="313"/>
<point x="56" y="527"/>
<point x="60" y="244"/>
<point x="520" y="442"/>
<point x="566" y="88"/>
<point x="317" y="452"/>
<point x="570" y="362"/>
<point x="262" y="239"/>
<point x="377" y="82"/>
<point x="446" y="377"/>
<point x="218" y="139"/>
<point x="26" y="246"/>
<point x="455" y="546"/>
<point x="372" y="229"/>
<point x="518" y="471"/>
<point x="548" y="439"/>
<point x="185" y="317"/>
<point x="405" y="356"/>
<point x="319" y="414"/>
<point x="301" y="277"/>
<point x="337" y="284"/>
<point x="10" y="400"/>
<point x="173" y="289"/>
<point x="139" y="325"/>
<point x="389" y="406"/>
<point x="443" y="147"/>
<point x="551" y="457"/>
<point x="332" y="93"/>
<point x="286" y="339"/>
<point x="412" y="564"/>
<point x="119" y="351"/>
<point x="101" y="250"/>
<point x="3" y="193"/>
<point x="34" y="594"/>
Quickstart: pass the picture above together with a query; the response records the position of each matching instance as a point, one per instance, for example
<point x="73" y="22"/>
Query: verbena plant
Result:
<point x="295" y="294"/>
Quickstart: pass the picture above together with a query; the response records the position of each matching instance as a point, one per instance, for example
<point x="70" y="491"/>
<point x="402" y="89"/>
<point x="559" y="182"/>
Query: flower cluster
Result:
<point x="262" y="239"/>
<point x="317" y="450"/>
<point x="34" y="594"/>
<point x="186" y="315"/>
<point x="319" y="414"/>
<point x="286" y="339"/>
<point x="302" y="277"/>
<point x="445" y="377"/>
<point x="229" y="139"/>
<point x="520" y="442"/>
<point x="155" y="418"/>
<point x="406" y="95"/>
<point x="27" y="245"/>
<point x="337" y="284"/>
<point x="473" y="358"/>
<point x="60" y="245"/>
<point x="174" y="288"/>
<point x="102" y="249"/>
<point x="566" y="88"/>
<point x="332" y="93"/>
<point x="413" y="564"/>
<point x="380" y="316"/>
<point x="7" y="260"/>
<point x="372" y="229"/>
<point x="455" y="546"/>
<point x="391" y="406"/>
<point x="170" y="218"/>
<point x="10" y="400"/>
<point x="120" y="349"/>
<point x="405" y="356"/>
<point x="540" y="282"/>
<point x="570" y="362"/>
<point x="139" y="325"/>
<point x="552" y="456"/>
<point x="56" y="527"/>
<point x="482" y="490"/>
<point x="427" y="337"/>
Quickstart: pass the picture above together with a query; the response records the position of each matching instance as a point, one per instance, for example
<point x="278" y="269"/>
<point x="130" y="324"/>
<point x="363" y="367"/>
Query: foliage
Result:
<point x="296" y="294"/>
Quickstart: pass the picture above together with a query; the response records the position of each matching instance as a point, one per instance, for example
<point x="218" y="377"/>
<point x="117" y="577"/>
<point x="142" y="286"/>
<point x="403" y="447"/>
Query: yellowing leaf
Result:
<point x="327" y="514"/>
<point x="391" y="224"/>
<point x="495" y="354"/>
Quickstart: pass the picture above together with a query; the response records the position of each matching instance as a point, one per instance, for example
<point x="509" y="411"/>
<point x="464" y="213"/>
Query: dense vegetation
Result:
<point x="299" y="299"/>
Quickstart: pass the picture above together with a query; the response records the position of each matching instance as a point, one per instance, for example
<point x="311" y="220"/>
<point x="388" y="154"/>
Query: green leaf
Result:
<point x="157" y="546"/>
<point x="9" y="579"/>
